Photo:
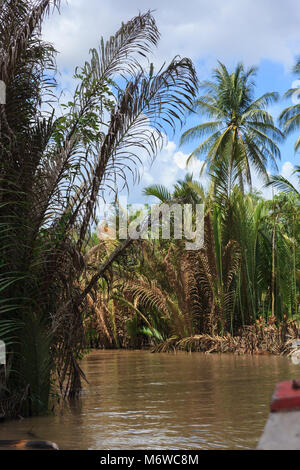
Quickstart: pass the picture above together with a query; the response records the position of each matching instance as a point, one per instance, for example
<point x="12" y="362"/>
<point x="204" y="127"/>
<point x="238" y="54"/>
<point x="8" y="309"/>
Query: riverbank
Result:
<point x="258" y="339"/>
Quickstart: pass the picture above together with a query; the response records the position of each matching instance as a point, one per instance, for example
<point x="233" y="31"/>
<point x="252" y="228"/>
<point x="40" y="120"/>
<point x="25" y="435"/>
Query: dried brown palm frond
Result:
<point x="208" y="344"/>
<point x="153" y="291"/>
<point x="148" y="294"/>
<point x="167" y="346"/>
<point x="255" y="340"/>
<point x="182" y="281"/>
<point x="116" y="55"/>
<point x="165" y="286"/>
<point x="100" y="321"/>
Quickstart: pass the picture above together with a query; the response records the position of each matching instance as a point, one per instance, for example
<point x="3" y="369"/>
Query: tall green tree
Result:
<point x="240" y="132"/>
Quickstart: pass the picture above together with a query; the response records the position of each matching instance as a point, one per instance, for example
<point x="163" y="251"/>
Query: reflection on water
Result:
<point x="139" y="400"/>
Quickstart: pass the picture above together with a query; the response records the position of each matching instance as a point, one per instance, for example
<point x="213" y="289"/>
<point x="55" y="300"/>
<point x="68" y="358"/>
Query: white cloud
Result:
<point x="169" y="166"/>
<point x="248" y="30"/>
<point x="181" y="160"/>
<point x="166" y="168"/>
<point x="258" y="182"/>
<point x="287" y="169"/>
<point x="147" y="178"/>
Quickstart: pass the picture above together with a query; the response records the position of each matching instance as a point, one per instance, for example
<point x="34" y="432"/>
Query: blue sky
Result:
<point x="265" y="33"/>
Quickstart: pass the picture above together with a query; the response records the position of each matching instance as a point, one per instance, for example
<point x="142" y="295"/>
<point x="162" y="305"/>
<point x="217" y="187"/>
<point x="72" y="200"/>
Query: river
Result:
<point x="139" y="400"/>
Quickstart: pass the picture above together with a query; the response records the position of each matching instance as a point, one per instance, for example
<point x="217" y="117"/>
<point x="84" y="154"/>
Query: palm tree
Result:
<point x="184" y="190"/>
<point x="241" y="131"/>
<point x="52" y="175"/>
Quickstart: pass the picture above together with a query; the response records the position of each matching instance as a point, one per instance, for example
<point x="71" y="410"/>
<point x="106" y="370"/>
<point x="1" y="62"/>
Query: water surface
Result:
<point x="139" y="400"/>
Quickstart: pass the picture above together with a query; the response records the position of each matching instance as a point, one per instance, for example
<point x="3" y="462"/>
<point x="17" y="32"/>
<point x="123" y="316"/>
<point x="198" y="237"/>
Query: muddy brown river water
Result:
<point x="139" y="400"/>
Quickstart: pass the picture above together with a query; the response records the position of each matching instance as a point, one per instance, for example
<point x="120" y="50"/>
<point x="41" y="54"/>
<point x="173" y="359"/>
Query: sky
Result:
<point x="265" y="33"/>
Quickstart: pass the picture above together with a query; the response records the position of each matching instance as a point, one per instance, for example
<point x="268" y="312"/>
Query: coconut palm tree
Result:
<point x="241" y="132"/>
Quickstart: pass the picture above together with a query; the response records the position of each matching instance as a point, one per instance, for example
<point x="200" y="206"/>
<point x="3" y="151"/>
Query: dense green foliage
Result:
<point x="247" y="273"/>
<point x="248" y="270"/>
<point x="53" y="172"/>
<point x="62" y="289"/>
